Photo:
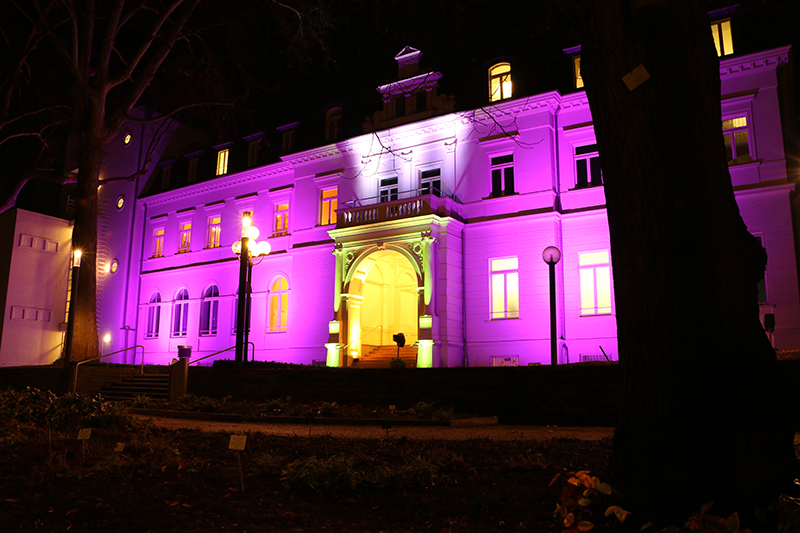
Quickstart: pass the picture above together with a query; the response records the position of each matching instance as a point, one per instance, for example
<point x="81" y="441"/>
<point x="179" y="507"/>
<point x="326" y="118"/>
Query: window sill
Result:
<point x="596" y="314"/>
<point x="500" y="319"/>
<point x="179" y="335"/>
<point x="210" y="246"/>
<point x="184" y="251"/>
<point x="504" y="195"/>
<point x="585" y="187"/>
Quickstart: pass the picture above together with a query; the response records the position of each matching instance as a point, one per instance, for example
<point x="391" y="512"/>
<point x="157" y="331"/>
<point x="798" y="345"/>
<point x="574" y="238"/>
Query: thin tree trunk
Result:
<point x="701" y="410"/>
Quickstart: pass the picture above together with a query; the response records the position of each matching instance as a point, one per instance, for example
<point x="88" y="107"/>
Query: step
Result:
<point x="152" y="385"/>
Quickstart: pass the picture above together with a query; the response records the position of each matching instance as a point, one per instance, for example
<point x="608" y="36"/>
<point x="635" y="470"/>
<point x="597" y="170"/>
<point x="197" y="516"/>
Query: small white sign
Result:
<point x="392" y="407"/>
<point x="84" y="434"/>
<point x="237" y="442"/>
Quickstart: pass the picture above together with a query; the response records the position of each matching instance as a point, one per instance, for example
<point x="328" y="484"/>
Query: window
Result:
<point x="113" y="266"/>
<point x="576" y="70"/>
<point x="192" y="176"/>
<point x="185" y="233"/>
<point x="252" y="152"/>
<point x="287" y="142"/>
<point x="500" y="82"/>
<point x="721" y="30"/>
<point x="180" y="314"/>
<point x="158" y="242"/>
<point x="120" y="201"/>
<point x="422" y="101"/>
<point x="594" y="269"/>
<point x="278" y="305"/>
<point x="332" y="118"/>
<point x="762" y="283"/>
<point x="222" y="162"/>
<point x="505" y="287"/>
<point x="166" y="173"/>
<point x="737" y="147"/>
<point x="328" y="206"/>
<point x="502" y="169"/>
<point x="399" y="106"/>
<point x="281" y="220"/>
<point x="388" y="190"/>
<point x="214" y="230"/>
<point x="430" y="182"/>
<point x="153" y="316"/>
<point x="127" y="138"/>
<point x="587" y="167"/>
<point x="209" y="311"/>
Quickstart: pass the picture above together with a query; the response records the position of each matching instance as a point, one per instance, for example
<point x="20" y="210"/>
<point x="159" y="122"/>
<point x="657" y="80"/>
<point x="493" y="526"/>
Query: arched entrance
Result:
<point x="382" y="300"/>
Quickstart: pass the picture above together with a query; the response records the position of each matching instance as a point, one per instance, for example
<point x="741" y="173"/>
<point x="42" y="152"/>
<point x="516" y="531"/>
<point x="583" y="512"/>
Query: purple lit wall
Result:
<point x="479" y="310"/>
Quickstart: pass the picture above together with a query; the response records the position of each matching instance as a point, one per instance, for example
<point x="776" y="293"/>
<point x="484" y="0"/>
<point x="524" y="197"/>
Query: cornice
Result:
<point x="222" y="182"/>
<point x="768" y="58"/>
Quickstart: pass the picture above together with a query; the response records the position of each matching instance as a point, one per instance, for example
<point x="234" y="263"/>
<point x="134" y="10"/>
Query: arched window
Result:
<point x="209" y="311"/>
<point x="278" y="305"/>
<point x="153" y="315"/>
<point x="180" y="314"/>
<point x="500" y="82"/>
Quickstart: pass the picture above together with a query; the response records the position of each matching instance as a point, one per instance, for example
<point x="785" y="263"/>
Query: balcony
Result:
<point x="352" y="214"/>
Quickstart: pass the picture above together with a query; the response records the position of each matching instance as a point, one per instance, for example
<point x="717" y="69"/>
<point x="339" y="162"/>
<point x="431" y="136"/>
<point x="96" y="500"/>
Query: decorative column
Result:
<point x="425" y="339"/>
<point x="332" y="347"/>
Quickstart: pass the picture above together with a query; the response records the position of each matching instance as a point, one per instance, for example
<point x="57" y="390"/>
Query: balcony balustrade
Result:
<point x="374" y="211"/>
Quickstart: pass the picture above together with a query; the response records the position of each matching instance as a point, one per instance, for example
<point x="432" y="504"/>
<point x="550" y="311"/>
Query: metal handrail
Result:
<point x="192" y="361"/>
<point x="346" y="346"/>
<point x="75" y="380"/>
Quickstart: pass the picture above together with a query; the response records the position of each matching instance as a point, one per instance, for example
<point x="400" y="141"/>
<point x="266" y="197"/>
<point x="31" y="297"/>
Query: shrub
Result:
<point x="397" y="363"/>
<point x="329" y="410"/>
<point x="320" y="475"/>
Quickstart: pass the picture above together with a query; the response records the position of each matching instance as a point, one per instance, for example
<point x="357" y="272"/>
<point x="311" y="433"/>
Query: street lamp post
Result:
<point x="551" y="256"/>
<point x="76" y="269"/>
<point x="247" y="248"/>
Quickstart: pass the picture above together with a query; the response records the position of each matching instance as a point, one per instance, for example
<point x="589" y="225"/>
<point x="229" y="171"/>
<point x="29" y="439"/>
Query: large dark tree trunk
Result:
<point x="702" y="415"/>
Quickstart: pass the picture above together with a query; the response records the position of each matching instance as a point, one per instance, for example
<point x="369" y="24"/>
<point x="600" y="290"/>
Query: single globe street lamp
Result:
<point x="246" y="248"/>
<point x="551" y="256"/>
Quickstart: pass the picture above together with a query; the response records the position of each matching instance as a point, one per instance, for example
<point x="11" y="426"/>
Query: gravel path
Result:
<point x="493" y="432"/>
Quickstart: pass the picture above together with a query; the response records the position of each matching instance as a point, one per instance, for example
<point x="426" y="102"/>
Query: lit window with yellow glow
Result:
<point x="328" y="207"/>
<point x="281" y="220"/>
<point x="737" y="146"/>
<point x="594" y="270"/>
<point x="222" y="162"/>
<point x="500" y="82"/>
<point x="721" y="30"/>
<point x="214" y="230"/>
<point x="278" y="311"/>
<point x="576" y="68"/>
<point x="185" y="232"/>
<point x="158" y="242"/>
<point x="505" y="287"/>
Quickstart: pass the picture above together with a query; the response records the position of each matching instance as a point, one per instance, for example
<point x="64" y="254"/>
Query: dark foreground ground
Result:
<point x="187" y="480"/>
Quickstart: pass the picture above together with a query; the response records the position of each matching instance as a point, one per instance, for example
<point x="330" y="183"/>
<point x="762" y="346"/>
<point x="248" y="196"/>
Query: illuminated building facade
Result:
<point x="431" y="224"/>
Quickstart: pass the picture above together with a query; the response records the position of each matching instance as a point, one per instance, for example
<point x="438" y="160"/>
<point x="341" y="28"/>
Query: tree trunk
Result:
<point x="702" y="417"/>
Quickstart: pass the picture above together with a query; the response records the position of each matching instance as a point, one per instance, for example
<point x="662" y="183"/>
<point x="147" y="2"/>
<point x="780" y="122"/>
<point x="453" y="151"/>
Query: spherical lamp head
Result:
<point x="551" y="255"/>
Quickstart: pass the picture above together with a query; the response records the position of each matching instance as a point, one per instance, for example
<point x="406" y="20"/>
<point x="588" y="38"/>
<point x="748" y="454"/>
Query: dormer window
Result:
<point x="500" y="82"/>
<point x="399" y="106"/>
<point x="422" y="101"/>
<point x="576" y="72"/>
<point x="222" y="162"/>
<point x="332" y="118"/>
<point x="721" y="30"/>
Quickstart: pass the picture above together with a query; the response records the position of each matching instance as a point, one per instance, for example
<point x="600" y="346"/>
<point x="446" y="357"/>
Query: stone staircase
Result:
<point x="152" y="385"/>
<point x="380" y="357"/>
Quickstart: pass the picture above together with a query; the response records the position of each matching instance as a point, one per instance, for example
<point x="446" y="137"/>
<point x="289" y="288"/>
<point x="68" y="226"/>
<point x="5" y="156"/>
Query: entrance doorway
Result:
<point x="387" y="284"/>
